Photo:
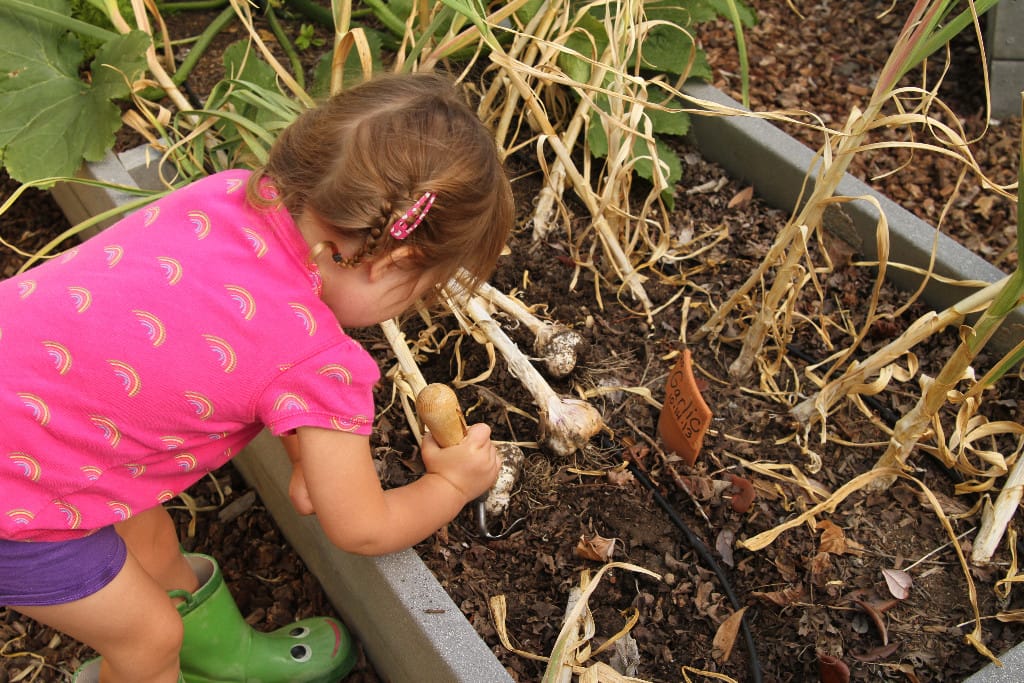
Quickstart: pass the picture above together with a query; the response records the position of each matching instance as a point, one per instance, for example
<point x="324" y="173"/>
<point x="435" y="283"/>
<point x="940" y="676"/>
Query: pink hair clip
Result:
<point x="412" y="218"/>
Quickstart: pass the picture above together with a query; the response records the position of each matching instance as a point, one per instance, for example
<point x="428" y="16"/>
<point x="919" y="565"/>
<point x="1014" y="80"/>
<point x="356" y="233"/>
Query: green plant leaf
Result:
<point x="668" y="158"/>
<point x="670" y="122"/>
<point x="747" y="16"/>
<point x="248" y="93"/>
<point x="597" y="143"/>
<point x="528" y="11"/>
<point x="50" y="119"/>
<point x="589" y="39"/>
<point x="669" y="46"/>
<point x="244" y="64"/>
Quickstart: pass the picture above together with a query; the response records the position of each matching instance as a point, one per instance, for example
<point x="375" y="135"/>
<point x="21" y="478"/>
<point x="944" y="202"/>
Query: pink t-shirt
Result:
<point x="135" y="363"/>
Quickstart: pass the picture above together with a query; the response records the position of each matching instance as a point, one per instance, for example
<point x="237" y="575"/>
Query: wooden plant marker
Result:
<point x="685" y="417"/>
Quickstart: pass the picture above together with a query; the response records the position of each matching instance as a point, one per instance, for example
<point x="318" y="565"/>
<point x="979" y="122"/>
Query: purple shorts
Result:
<point x="34" y="573"/>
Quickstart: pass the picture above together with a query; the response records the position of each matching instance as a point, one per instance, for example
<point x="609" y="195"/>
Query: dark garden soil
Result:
<point x="804" y="598"/>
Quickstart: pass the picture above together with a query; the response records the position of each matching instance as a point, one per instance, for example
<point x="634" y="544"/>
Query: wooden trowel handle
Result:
<point x="438" y="408"/>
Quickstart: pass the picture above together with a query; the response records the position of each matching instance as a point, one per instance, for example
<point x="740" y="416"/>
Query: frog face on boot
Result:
<point x="220" y="647"/>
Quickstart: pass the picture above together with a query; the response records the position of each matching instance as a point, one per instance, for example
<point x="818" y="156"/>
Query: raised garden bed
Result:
<point x="405" y="619"/>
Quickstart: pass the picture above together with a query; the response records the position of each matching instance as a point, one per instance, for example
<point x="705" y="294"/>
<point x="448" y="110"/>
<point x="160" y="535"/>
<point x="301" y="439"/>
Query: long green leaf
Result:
<point x="59" y="18"/>
<point x="937" y="37"/>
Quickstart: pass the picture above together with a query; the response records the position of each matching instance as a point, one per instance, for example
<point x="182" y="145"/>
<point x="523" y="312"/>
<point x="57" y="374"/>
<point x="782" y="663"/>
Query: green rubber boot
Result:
<point x="220" y="647"/>
<point x="90" y="673"/>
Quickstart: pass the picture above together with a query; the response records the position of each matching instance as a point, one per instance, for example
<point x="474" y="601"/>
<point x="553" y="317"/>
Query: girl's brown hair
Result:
<point x="363" y="157"/>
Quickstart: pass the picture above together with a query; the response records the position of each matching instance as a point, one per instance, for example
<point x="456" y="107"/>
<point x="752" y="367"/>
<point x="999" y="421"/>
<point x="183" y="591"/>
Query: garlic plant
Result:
<point x="589" y="56"/>
<point x="566" y="424"/>
<point x="500" y="495"/>
<point x="927" y="29"/>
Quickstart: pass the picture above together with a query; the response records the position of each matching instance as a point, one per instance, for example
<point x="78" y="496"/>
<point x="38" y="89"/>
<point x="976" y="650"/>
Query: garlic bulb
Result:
<point x="511" y="464"/>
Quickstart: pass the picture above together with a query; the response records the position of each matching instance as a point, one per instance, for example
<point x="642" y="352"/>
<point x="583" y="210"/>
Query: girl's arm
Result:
<point x="359" y="516"/>
<point x="297" y="490"/>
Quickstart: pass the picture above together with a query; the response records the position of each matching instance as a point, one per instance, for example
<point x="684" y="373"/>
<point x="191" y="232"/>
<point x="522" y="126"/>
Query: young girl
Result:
<point x="149" y="355"/>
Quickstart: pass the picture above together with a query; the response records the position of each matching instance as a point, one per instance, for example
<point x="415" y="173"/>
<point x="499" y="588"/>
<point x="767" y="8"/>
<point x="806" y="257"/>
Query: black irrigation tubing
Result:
<point x="708" y="560"/>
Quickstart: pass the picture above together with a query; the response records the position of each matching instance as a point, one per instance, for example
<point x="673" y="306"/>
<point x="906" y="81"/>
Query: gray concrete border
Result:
<point x="410" y="627"/>
<point x="1011" y="671"/>
<point x="1004" y="42"/>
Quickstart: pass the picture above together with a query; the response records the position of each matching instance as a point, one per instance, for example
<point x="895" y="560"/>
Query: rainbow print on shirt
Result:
<point x="202" y="405"/>
<point x="244" y="300"/>
<point x="129" y="378"/>
<point x="60" y="355"/>
<point x="155" y="330"/>
<point x="28" y="465"/>
<point x="40" y="411"/>
<point x="225" y="354"/>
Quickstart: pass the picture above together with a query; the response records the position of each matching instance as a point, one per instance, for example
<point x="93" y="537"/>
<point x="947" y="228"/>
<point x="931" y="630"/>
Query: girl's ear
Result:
<point x="400" y="258"/>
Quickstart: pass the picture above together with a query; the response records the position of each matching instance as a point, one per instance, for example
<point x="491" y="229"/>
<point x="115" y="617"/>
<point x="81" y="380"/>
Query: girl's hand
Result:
<point x="471" y="466"/>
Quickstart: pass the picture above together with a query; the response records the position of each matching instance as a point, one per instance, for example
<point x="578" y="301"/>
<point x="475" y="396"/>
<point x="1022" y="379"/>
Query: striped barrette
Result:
<point x="412" y="218"/>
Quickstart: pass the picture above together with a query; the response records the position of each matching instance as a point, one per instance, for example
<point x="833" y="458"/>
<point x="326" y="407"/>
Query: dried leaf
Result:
<point x="908" y="670"/>
<point x="832" y="669"/>
<point x="781" y="598"/>
<point x="725" y="636"/>
<point x="899" y="582"/>
<point x="742" y="198"/>
<point x="596" y="548"/>
<point x="820" y="566"/>
<point x="621" y="477"/>
<point x="877" y="654"/>
<point x="1011" y="616"/>
<point x="983" y="205"/>
<point x="723" y="544"/>
<point x="876" y="617"/>
<point x="626" y="659"/>
<point x="701" y="488"/>
<point x="742" y="493"/>
<point x="786" y="567"/>
<point x="833" y="540"/>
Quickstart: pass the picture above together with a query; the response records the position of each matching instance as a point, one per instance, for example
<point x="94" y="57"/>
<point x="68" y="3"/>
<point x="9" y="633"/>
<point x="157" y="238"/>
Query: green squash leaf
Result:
<point x="597" y="143"/>
<point x="50" y="119"/>
<point x="669" y="47"/>
<point x="590" y="40"/>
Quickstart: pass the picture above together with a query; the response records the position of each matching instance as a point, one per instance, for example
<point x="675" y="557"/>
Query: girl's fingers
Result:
<point x="479" y="433"/>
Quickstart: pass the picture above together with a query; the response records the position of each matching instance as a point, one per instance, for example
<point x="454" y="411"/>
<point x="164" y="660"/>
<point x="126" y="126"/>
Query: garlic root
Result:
<point x="557" y="345"/>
